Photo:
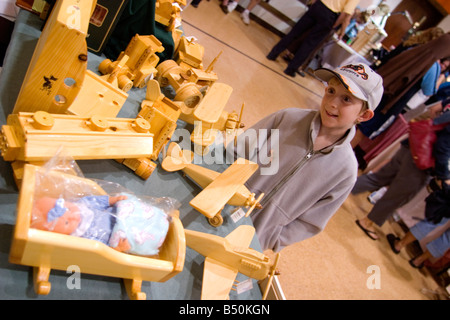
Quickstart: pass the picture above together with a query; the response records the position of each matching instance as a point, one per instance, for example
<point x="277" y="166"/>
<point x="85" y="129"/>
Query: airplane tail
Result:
<point x="176" y="159"/>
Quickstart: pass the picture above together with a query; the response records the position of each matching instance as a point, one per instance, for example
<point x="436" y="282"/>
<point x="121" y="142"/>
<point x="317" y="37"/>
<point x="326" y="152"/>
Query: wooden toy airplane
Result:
<point x="218" y="188"/>
<point x="225" y="257"/>
<point x="209" y="117"/>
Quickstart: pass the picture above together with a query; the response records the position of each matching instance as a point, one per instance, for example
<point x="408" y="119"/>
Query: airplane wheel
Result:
<point x="216" y="221"/>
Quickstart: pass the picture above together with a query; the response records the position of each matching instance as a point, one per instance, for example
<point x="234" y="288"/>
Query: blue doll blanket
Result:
<point x="143" y="225"/>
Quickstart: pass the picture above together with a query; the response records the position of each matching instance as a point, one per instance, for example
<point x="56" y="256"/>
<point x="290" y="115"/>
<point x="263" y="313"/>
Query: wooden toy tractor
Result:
<point x="134" y="66"/>
<point x="189" y="84"/>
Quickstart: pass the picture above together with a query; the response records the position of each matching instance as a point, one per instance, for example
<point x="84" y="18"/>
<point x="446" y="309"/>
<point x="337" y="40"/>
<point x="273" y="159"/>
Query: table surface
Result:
<point x="16" y="280"/>
<point x="337" y="53"/>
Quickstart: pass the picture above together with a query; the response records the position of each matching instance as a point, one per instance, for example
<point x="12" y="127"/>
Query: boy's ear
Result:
<point x="365" y="116"/>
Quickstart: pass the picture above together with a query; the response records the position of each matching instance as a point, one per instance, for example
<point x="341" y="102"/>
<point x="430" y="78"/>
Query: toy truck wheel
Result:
<point x="190" y="95"/>
<point x="43" y="120"/>
<point x="216" y="221"/>
<point x="125" y="83"/>
<point x="164" y="68"/>
<point x="105" y="66"/>
<point x="145" y="169"/>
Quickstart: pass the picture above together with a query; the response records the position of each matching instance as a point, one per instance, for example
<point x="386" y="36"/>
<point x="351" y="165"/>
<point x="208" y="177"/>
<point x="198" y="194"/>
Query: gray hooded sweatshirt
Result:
<point x="303" y="188"/>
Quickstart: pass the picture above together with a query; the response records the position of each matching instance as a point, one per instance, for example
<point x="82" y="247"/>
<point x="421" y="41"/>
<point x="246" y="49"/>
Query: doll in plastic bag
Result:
<point x="140" y="227"/>
<point x="90" y="217"/>
<point x="99" y="210"/>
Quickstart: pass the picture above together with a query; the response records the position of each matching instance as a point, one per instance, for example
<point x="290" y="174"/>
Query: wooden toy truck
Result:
<point x="189" y="54"/>
<point x="162" y="115"/>
<point x="45" y="250"/>
<point x="188" y="84"/>
<point x="167" y="13"/>
<point x="38" y="136"/>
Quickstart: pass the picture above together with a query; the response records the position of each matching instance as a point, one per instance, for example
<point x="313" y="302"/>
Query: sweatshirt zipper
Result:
<point x="300" y="164"/>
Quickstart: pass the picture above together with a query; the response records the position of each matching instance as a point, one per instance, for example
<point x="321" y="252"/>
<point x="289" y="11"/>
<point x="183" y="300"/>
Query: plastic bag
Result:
<point x="67" y="202"/>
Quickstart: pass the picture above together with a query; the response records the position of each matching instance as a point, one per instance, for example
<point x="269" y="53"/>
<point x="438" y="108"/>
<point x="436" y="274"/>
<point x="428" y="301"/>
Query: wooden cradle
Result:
<point x="45" y="250"/>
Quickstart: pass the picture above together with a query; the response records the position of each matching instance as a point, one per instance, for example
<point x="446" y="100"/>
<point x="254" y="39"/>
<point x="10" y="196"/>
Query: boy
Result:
<point x="317" y="167"/>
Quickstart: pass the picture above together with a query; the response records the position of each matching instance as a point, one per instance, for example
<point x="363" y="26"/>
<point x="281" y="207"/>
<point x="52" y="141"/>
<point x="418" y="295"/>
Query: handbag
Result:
<point x="422" y="136"/>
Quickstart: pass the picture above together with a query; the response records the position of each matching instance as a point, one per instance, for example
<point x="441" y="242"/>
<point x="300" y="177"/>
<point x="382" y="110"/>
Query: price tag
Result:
<point x="244" y="286"/>
<point x="237" y="215"/>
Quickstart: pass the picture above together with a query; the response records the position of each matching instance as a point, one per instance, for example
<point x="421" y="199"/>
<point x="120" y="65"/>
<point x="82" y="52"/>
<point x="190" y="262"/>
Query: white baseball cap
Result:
<point x="359" y="79"/>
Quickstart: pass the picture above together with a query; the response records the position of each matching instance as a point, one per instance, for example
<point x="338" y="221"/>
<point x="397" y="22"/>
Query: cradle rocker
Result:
<point x="218" y="188"/>
<point x="45" y="250"/>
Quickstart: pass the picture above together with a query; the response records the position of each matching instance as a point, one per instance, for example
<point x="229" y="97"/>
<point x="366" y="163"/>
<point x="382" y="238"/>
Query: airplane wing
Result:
<point x="241" y="236"/>
<point x="218" y="279"/>
<point x="212" y="199"/>
<point x="212" y="105"/>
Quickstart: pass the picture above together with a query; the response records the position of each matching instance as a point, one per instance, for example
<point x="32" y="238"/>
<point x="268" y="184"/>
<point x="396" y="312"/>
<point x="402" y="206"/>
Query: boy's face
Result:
<point x="340" y="110"/>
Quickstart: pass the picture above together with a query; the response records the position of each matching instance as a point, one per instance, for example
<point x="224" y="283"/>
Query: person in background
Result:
<point x="195" y="3"/>
<point x="434" y="249"/>
<point x="420" y="37"/>
<point x="228" y="7"/>
<point x="357" y="23"/>
<point x="400" y="74"/>
<point x="403" y="178"/>
<point x="318" y="22"/>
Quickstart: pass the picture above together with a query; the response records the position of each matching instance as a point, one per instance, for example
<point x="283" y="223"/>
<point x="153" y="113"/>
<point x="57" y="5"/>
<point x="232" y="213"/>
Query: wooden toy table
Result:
<point x="16" y="280"/>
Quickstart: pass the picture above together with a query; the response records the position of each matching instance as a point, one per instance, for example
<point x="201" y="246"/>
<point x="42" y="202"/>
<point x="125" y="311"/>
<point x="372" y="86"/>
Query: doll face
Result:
<point x="66" y="223"/>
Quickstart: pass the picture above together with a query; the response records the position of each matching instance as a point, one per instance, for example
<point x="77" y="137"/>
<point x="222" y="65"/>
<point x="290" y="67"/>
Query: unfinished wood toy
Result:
<point x="225" y="257"/>
<point x="37" y="136"/>
<point x="56" y="71"/>
<point x="218" y="188"/>
<point x="162" y="115"/>
<point x="189" y="54"/>
<point x="46" y="250"/>
<point x="167" y="12"/>
<point x="209" y="117"/>
<point x="134" y="66"/>
<point x="57" y="80"/>
<point x="97" y="97"/>
<point x="188" y="84"/>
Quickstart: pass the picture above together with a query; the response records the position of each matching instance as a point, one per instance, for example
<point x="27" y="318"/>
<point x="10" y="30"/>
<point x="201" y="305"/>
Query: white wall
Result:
<point x="445" y="24"/>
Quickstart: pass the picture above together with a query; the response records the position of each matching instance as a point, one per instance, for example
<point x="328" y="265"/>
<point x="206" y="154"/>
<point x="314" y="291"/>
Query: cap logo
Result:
<point x="358" y="69"/>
